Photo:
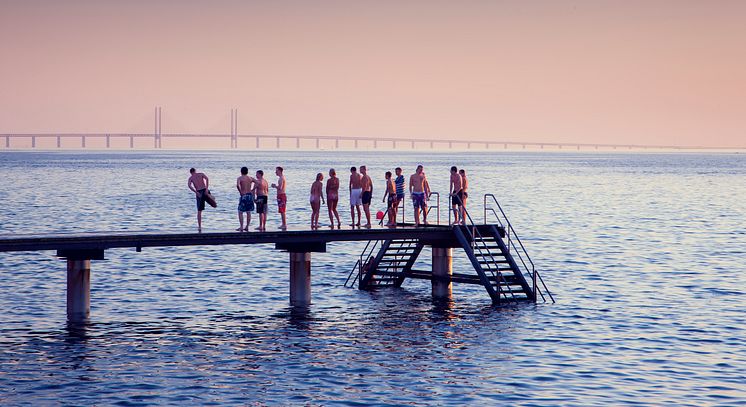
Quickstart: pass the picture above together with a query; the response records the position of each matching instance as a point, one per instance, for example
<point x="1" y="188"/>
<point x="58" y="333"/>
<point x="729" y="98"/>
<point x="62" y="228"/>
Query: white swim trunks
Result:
<point x="355" y="197"/>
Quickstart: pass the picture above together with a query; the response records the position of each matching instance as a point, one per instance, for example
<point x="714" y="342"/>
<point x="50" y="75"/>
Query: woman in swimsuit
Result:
<point x="332" y="195"/>
<point x="464" y="188"/>
<point x="317" y="197"/>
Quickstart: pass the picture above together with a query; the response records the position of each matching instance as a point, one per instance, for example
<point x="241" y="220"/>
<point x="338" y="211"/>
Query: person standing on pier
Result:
<point x="245" y="186"/>
<point x="456" y="192"/>
<point x="419" y="188"/>
<point x="392" y="200"/>
<point x="332" y="197"/>
<point x="282" y="199"/>
<point x="465" y="195"/>
<point x="356" y="190"/>
<point x="261" y="190"/>
<point x="316" y="199"/>
<point x="367" y="196"/>
<point x="198" y="183"/>
<point x="399" y="191"/>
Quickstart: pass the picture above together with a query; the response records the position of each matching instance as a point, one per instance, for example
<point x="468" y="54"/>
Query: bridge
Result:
<point x="287" y="142"/>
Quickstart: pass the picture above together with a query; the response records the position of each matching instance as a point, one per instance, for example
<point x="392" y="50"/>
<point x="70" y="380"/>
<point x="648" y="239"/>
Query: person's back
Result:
<point x="197" y="179"/>
<point x="332" y="187"/>
<point x="244" y="183"/>
<point x="262" y="188"/>
<point x="356" y="181"/>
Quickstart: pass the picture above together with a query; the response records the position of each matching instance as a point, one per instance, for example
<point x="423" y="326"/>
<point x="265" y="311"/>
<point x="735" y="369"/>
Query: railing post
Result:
<point x="533" y="273"/>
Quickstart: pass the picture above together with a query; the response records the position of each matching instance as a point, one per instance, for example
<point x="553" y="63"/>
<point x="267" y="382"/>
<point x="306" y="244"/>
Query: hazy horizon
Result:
<point x="661" y="72"/>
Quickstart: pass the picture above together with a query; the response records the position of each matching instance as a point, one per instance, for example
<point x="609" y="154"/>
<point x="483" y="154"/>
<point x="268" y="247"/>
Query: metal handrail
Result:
<point x="499" y="275"/>
<point x="512" y="237"/>
<point x="436" y="206"/>
<point x="360" y="263"/>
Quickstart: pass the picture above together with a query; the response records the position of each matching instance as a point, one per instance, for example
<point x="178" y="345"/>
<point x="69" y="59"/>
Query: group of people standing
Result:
<point x="254" y="193"/>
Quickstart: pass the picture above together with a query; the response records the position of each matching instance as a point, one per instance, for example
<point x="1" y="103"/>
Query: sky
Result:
<point x="626" y="72"/>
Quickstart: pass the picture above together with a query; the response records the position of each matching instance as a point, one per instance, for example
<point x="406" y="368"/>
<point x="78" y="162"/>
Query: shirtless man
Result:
<point x="419" y="189"/>
<point x="282" y="199"/>
<point x="356" y="191"/>
<point x="261" y="190"/>
<point x="456" y="191"/>
<point x="367" y="195"/>
<point x="245" y="186"/>
<point x="198" y="183"/>
<point x="392" y="200"/>
<point x="465" y="189"/>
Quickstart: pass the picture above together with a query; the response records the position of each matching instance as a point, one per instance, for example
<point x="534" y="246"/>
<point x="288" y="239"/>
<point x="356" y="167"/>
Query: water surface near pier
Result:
<point x="644" y="252"/>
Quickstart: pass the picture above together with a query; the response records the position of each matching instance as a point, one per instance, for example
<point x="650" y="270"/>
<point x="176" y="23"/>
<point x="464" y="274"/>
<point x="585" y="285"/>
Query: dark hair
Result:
<point x="260" y="172"/>
<point x="454" y="169"/>
<point x="461" y="171"/>
<point x="353" y="169"/>
<point x="191" y="170"/>
<point x="397" y="169"/>
<point x="362" y="167"/>
<point x="244" y="170"/>
<point x="388" y="174"/>
<point x="419" y="166"/>
<point x="279" y="168"/>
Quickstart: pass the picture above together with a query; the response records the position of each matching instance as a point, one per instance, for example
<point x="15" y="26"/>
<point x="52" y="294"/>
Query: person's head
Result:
<point x="398" y="171"/>
<point x="332" y="173"/>
<point x="319" y="176"/>
<point x="363" y="169"/>
<point x="259" y="174"/>
<point x="353" y="170"/>
<point x="388" y="174"/>
<point x="419" y="169"/>
<point x="454" y="170"/>
<point x="278" y="171"/>
<point x="244" y="170"/>
<point x="192" y="170"/>
<point x="462" y="172"/>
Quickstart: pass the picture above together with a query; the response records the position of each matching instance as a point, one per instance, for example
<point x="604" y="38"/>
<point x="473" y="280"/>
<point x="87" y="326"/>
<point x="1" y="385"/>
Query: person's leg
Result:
<point x="352" y="214"/>
<point x="336" y="214"/>
<point x="359" y="217"/>
<point x="248" y="221"/>
<point x="240" y="221"/>
<point x="366" y="208"/>
<point x="199" y="220"/>
<point x="424" y="212"/>
<point x="329" y="209"/>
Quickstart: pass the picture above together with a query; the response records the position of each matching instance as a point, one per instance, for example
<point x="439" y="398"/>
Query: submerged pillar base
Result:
<point x="300" y="278"/>
<point x="78" y="289"/>
<point x="442" y="272"/>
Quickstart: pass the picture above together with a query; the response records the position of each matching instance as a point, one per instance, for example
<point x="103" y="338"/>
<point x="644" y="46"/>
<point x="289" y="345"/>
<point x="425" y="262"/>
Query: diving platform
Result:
<point x="499" y="259"/>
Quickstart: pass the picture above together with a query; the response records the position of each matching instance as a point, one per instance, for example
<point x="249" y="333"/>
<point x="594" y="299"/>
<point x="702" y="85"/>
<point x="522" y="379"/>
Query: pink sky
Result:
<point x="638" y="72"/>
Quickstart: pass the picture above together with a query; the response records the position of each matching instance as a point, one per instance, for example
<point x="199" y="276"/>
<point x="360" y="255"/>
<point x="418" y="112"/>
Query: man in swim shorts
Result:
<point x="457" y="195"/>
<point x="261" y="190"/>
<point x="399" y="182"/>
<point x="245" y="186"/>
<point x="419" y="188"/>
<point x="282" y="199"/>
<point x="198" y="183"/>
<point x="367" y="195"/>
<point x="356" y="191"/>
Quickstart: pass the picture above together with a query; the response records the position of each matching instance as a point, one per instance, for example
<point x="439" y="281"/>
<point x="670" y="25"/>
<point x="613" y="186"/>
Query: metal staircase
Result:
<point x="498" y="256"/>
<point x="389" y="267"/>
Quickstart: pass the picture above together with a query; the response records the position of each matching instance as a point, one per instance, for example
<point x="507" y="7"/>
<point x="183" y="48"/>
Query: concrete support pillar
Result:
<point x="108" y="141"/>
<point x="7" y="141"/>
<point x="59" y="141"/>
<point x="257" y="142"/>
<point x="297" y="142"/>
<point x="318" y="143"/>
<point x="132" y="142"/>
<point x="300" y="278"/>
<point x="442" y="272"/>
<point x="33" y="141"/>
<point x="336" y="144"/>
<point x="82" y="141"/>
<point x="277" y="143"/>
<point x="78" y="289"/>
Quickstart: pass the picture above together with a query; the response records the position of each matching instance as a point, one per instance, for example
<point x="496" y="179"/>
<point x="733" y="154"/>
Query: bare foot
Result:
<point x="367" y="226"/>
<point x="246" y="229"/>
<point x="259" y="228"/>
<point x="283" y="227"/>
<point x="239" y="229"/>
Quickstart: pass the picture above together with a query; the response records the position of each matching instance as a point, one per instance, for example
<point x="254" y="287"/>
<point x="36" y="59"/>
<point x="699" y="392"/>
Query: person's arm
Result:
<point x="321" y="192"/>
<point x="451" y="186"/>
<point x="371" y="186"/>
<point x="411" y="186"/>
<point x="350" y="183"/>
<point x="384" y="195"/>
<point x="427" y="188"/>
<point x="207" y="181"/>
<point x="281" y="184"/>
<point x="189" y="184"/>
<point x="238" y="185"/>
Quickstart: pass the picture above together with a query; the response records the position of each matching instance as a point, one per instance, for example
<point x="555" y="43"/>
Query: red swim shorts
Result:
<point x="282" y="202"/>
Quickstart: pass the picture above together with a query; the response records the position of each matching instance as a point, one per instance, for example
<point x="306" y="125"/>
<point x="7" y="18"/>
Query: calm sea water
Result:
<point x="644" y="252"/>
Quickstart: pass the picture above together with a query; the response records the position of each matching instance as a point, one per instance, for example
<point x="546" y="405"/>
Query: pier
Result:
<point x="500" y="261"/>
